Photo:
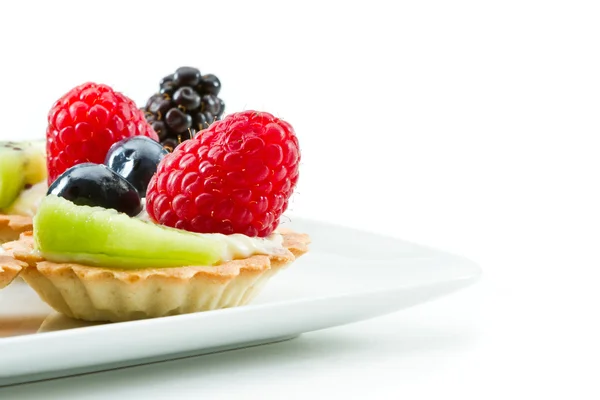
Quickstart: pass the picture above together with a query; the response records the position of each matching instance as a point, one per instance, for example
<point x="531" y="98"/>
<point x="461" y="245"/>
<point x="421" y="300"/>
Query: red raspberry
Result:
<point x="234" y="177"/>
<point x="85" y="122"/>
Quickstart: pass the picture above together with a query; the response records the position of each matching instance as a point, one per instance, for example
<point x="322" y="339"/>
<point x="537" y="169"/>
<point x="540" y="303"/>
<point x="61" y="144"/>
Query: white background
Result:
<point x="470" y="126"/>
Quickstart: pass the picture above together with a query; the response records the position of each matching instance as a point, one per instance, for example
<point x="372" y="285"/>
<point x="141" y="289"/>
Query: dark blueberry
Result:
<point x="186" y="76"/>
<point x="178" y="121"/>
<point x="135" y="159"/>
<point x="97" y="185"/>
<point x="187" y="97"/>
<point x="209" y="84"/>
<point x="211" y="104"/>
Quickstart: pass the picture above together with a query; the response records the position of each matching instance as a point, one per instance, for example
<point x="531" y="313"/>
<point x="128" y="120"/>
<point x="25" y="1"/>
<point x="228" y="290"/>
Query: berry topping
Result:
<point x="85" y="122"/>
<point x="187" y="98"/>
<point x="178" y="121"/>
<point x="187" y="102"/>
<point x="91" y="184"/>
<point x="135" y="159"/>
<point x="209" y="84"/>
<point x="186" y="76"/>
<point x="234" y="177"/>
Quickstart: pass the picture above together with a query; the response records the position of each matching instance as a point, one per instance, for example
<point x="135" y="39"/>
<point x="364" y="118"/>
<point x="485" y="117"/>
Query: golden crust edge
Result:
<point x="11" y="226"/>
<point x="19" y="251"/>
<point x="9" y="270"/>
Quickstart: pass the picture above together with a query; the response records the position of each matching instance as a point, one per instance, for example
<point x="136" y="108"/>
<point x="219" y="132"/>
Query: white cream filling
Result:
<point x="241" y="246"/>
<point x="236" y="245"/>
<point x="143" y="215"/>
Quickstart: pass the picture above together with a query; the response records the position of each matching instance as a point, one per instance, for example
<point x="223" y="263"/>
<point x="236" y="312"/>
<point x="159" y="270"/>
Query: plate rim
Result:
<point x="469" y="278"/>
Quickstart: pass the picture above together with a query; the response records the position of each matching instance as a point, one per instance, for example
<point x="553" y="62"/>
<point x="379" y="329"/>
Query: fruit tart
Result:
<point x="148" y="233"/>
<point x="22" y="186"/>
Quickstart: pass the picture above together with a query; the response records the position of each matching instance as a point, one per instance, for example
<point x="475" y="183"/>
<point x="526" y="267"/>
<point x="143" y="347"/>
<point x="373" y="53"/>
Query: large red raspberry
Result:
<point x="85" y="122"/>
<point x="234" y="177"/>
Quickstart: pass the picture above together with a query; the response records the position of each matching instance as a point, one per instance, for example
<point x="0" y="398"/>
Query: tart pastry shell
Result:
<point x="11" y="226"/>
<point x="103" y="294"/>
<point x="9" y="269"/>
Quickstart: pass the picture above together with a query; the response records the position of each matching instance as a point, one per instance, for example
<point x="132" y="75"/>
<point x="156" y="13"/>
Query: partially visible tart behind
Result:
<point x="17" y="218"/>
<point x="11" y="226"/>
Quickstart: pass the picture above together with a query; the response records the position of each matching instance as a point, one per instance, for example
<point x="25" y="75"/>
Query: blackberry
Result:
<point x="186" y="103"/>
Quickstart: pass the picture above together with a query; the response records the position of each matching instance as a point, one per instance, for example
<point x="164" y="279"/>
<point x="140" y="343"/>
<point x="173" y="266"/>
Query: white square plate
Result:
<point x="347" y="276"/>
